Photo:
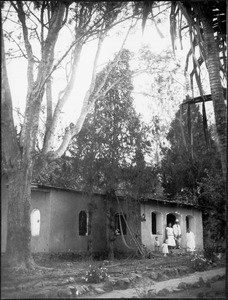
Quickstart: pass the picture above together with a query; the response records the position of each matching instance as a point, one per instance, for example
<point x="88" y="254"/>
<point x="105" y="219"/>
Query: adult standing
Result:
<point x="190" y="239"/>
<point x="170" y="236"/>
<point x="177" y="233"/>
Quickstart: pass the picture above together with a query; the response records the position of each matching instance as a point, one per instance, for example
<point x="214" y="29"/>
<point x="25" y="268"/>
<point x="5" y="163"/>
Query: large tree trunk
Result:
<point x="18" y="249"/>
<point x="212" y="62"/>
<point x="110" y="227"/>
<point x="20" y="169"/>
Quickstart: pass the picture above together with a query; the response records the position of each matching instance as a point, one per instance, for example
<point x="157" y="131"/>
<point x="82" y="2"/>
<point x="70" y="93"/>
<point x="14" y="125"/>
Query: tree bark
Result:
<point x="212" y="62"/>
<point x="19" y="231"/>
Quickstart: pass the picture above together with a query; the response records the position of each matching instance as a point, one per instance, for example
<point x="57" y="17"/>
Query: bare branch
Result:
<point x="20" y="49"/>
<point x="89" y="99"/>
<point x="44" y="65"/>
<point x="55" y="25"/>
<point x="6" y="17"/>
<point x="9" y="138"/>
<point x="98" y="96"/>
<point x="28" y="47"/>
<point x="115" y="63"/>
<point x="42" y="25"/>
<point x="70" y="132"/>
<point x="49" y="104"/>
<point x="63" y="97"/>
<point x="30" y="11"/>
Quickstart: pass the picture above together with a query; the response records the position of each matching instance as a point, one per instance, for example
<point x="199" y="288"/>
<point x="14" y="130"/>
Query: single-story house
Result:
<point x="64" y="220"/>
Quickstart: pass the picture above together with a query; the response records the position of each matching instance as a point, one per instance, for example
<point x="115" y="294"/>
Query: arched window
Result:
<point x="156" y="222"/>
<point x="119" y="218"/>
<point x="83" y="223"/>
<point x="35" y="222"/>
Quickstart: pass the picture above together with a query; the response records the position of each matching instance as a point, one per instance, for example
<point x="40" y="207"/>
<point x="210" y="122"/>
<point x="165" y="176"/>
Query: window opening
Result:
<point x="123" y="223"/>
<point x="189" y="222"/>
<point x="35" y="222"/>
<point x="154" y="222"/>
<point x="83" y="223"/>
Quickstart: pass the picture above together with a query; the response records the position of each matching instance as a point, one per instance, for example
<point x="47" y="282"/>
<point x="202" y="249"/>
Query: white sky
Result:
<point x="17" y="68"/>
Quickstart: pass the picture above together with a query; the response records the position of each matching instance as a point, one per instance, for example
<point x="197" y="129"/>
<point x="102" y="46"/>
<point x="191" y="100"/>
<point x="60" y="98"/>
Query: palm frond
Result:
<point x="147" y="7"/>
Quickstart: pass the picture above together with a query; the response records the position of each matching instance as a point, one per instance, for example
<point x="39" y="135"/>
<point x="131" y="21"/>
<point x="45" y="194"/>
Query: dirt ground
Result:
<point x="217" y="290"/>
<point x="63" y="274"/>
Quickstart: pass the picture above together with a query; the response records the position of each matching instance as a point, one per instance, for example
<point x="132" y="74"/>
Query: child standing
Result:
<point x="156" y="244"/>
<point x="165" y="249"/>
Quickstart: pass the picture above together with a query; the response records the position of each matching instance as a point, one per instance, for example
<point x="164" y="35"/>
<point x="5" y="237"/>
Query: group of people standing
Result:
<point x="173" y="235"/>
<point x="173" y="239"/>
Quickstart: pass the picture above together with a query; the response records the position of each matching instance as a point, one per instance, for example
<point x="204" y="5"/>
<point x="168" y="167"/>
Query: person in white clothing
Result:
<point x="164" y="248"/>
<point x="177" y="234"/>
<point x="190" y="240"/>
<point x="170" y="237"/>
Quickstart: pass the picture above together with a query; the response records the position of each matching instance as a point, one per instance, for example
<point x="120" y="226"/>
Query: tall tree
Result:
<point x="108" y="147"/>
<point x="112" y="132"/>
<point x="188" y="158"/>
<point x="39" y="25"/>
<point x="208" y="31"/>
<point x="164" y="86"/>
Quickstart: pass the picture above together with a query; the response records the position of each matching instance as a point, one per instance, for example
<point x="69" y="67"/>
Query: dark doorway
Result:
<point x="170" y="219"/>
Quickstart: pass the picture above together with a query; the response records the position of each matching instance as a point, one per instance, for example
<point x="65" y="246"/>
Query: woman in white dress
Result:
<point x="190" y="241"/>
<point x="170" y="236"/>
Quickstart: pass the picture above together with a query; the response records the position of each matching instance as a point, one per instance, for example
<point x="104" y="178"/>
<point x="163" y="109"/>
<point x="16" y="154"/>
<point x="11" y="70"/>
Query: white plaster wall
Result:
<point x="180" y="212"/>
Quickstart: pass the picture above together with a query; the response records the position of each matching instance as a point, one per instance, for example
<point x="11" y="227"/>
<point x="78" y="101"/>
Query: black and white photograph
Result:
<point x="114" y="149"/>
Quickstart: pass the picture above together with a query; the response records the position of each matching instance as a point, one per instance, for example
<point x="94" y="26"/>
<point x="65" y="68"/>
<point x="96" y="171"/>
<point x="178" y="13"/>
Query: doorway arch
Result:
<point x="170" y="218"/>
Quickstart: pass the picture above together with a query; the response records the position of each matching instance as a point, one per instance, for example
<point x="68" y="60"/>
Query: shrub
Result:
<point x="95" y="275"/>
<point x="199" y="262"/>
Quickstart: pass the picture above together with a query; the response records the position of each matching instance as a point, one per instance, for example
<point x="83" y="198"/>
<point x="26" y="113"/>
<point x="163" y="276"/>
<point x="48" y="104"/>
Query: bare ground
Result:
<point x="65" y="274"/>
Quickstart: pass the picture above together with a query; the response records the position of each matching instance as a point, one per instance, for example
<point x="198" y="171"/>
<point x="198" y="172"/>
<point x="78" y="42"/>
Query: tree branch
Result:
<point x="112" y="66"/>
<point x="9" y="137"/>
<point x="70" y="132"/>
<point x="63" y="97"/>
<point x="87" y="104"/>
<point x="44" y="65"/>
<point x="28" y="47"/>
<point x="22" y="52"/>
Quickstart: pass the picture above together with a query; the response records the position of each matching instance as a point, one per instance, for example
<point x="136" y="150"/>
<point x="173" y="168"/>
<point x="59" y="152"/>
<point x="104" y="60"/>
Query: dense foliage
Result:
<point x="211" y="197"/>
<point x="188" y="158"/>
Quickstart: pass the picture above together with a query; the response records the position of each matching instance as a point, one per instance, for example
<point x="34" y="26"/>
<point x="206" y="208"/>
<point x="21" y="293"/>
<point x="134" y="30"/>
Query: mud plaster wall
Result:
<point x="64" y="233"/>
<point x="132" y="210"/>
<point x="39" y="200"/>
<point x="196" y="225"/>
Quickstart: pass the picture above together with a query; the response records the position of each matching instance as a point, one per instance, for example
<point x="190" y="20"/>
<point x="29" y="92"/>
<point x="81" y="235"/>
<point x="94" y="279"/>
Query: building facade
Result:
<point x="157" y="214"/>
<point x="64" y="220"/>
